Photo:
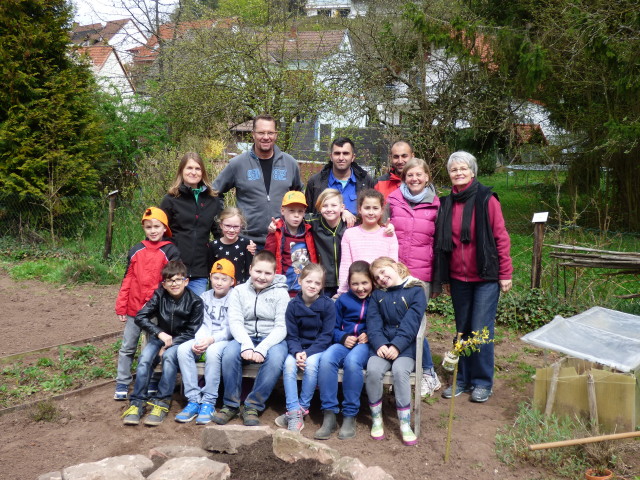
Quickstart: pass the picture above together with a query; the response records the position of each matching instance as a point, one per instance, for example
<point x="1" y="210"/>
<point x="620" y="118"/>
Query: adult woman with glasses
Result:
<point x="474" y="264"/>
<point x="191" y="207"/>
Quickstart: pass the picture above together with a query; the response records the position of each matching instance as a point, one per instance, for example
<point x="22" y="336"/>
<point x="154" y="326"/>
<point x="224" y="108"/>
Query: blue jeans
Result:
<point x="475" y="305"/>
<point x="127" y="351"/>
<point x="353" y="361"/>
<point x="266" y="379"/>
<point x="198" y="285"/>
<point x="309" y="382"/>
<point x="212" y="371"/>
<point x="146" y="364"/>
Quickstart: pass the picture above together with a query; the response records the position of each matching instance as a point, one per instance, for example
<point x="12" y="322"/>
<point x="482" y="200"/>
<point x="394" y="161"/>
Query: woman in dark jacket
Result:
<point x="474" y="263"/>
<point x="191" y="207"/>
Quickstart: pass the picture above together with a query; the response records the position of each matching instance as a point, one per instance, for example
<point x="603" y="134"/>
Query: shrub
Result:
<point x="530" y="309"/>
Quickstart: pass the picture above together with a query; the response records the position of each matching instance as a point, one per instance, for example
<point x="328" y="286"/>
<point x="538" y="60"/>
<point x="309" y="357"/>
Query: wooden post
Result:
<point x="539" y="220"/>
<point x="593" y="404"/>
<point x="112" y="208"/>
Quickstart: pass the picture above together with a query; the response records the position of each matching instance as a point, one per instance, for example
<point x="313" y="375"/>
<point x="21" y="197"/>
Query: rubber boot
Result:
<point x="377" y="428"/>
<point x="408" y="437"/>
<point x="329" y="426"/>
<point x="348" y="429"/>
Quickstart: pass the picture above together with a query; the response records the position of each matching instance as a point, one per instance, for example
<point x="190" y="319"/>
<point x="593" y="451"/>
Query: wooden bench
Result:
<point x="251" y="371"/>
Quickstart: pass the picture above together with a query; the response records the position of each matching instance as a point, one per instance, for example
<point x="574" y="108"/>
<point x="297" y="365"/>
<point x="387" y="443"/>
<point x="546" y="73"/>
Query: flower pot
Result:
<point x="596" y="474"/>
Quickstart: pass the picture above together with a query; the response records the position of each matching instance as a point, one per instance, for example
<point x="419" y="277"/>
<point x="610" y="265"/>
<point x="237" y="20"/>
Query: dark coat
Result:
<point x="318" y="182"/>
<point x="310" y="329"/>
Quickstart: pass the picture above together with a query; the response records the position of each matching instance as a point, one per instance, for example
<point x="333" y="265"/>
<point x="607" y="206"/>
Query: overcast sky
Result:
<point x="101" y="11"/>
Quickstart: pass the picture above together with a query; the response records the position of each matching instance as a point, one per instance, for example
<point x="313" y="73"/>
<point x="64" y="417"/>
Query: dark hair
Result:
<point x="175" y="186"/>
<point x="173" y="268"/>
<point x="264" y="256"/>
<point x="401" y="141"/>
<point x="264" y="116"/>
<point x="360" y="266"/>
<point x="370" y="193"/>
<point x="340" y="142"/>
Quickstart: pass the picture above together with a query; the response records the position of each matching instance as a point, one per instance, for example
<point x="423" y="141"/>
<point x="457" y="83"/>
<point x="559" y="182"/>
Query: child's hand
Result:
<point x="389" y="229"/>
<point x="122" y="318"/>
<point x="301" y="360"/>
<point x="392" y="353"/>
<point x="272" y="226"/>
<point x="166" y="338"/>
<point x="251" y="248"/>
<point x="247" y="355"/>
<point x="363" y="338"/>
<point x="349" y="218"/>
<point x="350" y="341"/>
<point x="383" y="351"/>
<point x="257" y="357"/>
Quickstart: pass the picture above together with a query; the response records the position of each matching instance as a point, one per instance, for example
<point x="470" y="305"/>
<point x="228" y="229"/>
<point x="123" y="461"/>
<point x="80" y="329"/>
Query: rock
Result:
<point x="291" y="447"/>
<point x="354" y="469"/>
<point x="191" y="468"/>
<point x="227" y="438"/>
<point x="51" y="476"/>
<point x="124" y="467"/>
<point x="159" y="455"/>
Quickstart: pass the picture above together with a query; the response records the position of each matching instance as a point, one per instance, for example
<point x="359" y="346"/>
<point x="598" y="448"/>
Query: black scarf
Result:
<point x="468" y="197"/>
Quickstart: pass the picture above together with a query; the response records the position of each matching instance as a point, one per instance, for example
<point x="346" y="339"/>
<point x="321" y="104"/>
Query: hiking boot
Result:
<point x="132" y="415"/>
<point x="481" y="394"/>
<point x="122" y="392"/>
<point x="329" y="426"/>
<point x="159" y="411"/>
<point x="225" y="415"/>
<point x="250" y="417"/>
<point x="460" y="389"/>
<point x="190" y="412"/>
<point x="206" y="413"/>
<point x="430" y="383"/>
<point x="281" y="420"/>
<point x="348" y="429"/>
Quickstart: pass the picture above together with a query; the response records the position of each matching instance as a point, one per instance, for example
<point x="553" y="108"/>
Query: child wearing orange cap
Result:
<point x="208" y="345"/>
<point x="142" y="277"/>
<point x="292" y="242"/>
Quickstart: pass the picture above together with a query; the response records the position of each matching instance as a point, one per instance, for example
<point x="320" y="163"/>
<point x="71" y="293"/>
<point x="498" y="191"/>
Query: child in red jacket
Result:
<point x="143" y="276"/>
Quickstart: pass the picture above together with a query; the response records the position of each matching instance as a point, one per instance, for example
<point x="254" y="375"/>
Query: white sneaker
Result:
<point x="429" y="384"/>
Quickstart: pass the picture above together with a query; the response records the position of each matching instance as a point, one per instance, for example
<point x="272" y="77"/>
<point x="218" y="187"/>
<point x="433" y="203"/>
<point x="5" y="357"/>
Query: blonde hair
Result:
<point x="229" y="212"/>
<point x="174" y="189"/>
<point x="326" y="194"/>
<point x="399" y="267"/>
<point x="309" y="269"/>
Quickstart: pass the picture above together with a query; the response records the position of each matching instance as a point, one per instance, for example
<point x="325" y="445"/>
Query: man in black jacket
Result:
<point x="179" y="313"/>
<point x="343" y="174"/>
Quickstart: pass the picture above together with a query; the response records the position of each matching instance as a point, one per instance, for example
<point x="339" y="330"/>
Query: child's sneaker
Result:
<point x="158" y="413"/>
<point x="122" y="392"/>
<point x="206" y="413"/>
<point x="189" y="413"/>
<point x="295" y="421"/>
<point x="281" y="421"/>
<point x="225" y="415"/>
<point x="132" y="415"/>
<point x="429" y="384"/>
<point x="250" y="417"/>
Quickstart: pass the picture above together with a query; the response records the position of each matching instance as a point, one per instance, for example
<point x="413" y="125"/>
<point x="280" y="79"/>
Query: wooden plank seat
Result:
<point x="251" y="371"/>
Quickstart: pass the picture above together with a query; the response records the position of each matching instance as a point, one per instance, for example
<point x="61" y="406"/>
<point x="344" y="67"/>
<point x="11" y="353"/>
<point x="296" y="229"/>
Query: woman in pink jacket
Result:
<point x="413" y="210"/>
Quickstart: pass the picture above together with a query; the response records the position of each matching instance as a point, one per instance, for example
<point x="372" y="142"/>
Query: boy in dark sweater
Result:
<point x="179" y="313"/>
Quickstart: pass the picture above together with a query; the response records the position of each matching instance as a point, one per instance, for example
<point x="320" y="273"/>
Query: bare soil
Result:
<point x="88" y="427"/>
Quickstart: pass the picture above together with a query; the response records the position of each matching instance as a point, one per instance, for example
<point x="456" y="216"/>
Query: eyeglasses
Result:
<point x="173" y="281"/>
<point x="265" y="134"/>
<point x="459" y="170"/>
<point x="231" y="227"/>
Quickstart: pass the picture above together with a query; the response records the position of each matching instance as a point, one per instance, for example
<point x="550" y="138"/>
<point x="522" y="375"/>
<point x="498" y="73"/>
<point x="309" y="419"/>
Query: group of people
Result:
<point x="304" y="284"/>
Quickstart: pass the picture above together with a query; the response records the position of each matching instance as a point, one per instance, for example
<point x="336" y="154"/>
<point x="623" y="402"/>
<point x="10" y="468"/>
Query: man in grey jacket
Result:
<point x="261" y="177"/>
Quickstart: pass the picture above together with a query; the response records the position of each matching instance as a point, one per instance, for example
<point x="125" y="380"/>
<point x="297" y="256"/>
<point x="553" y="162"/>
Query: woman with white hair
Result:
<point x="474" y="265"/>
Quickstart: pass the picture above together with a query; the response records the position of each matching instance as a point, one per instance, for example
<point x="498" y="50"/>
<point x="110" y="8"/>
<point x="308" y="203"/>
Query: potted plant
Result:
<point x="599" y="473"/>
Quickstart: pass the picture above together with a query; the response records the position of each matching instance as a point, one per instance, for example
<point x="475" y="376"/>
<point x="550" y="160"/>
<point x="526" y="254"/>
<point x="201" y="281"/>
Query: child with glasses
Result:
<point x="179" y="313"/>
<point x="231" y="245"/>
<point x="142" y="277"/>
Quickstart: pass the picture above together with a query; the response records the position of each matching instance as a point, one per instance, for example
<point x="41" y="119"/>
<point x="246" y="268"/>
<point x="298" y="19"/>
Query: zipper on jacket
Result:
<point x="355" y="328"/>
